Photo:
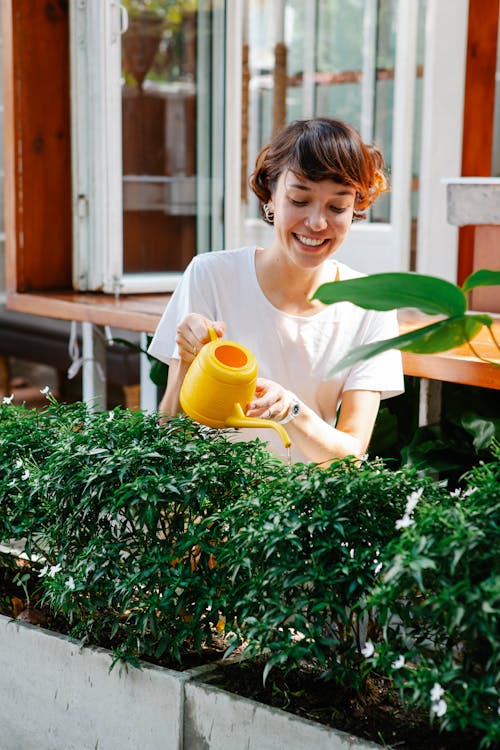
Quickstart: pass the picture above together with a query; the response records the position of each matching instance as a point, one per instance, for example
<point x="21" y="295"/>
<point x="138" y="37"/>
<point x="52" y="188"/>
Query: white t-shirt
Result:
<point x="297" y="352"/>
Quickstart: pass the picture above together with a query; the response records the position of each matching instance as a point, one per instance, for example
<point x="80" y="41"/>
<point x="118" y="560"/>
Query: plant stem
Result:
<point x="494" y="338"/>
<point x="483" y="359"/>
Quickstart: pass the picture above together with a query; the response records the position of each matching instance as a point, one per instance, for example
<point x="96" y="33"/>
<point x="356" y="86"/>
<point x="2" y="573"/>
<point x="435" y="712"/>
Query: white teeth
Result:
<point x="309" y="241"/>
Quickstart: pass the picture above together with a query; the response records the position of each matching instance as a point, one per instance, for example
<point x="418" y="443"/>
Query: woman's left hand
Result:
<point x="271" y="401"/>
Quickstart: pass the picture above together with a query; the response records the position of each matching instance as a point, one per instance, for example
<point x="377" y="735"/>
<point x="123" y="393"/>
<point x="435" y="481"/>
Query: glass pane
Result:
<point x="159" y="105"/>
<point x="340" y="62"/>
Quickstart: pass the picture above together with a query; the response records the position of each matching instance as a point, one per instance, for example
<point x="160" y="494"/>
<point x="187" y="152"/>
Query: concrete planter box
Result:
<point x="55" y="694"/>
<point x="214" y="718"/>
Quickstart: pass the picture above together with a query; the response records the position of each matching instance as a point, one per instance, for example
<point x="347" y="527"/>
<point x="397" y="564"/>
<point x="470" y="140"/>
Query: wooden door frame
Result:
<point x="35" y="60"/>
<point x="479" y="103"/>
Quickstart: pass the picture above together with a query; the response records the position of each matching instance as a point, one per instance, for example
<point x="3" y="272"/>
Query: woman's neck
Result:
<point x="288" y="287"/>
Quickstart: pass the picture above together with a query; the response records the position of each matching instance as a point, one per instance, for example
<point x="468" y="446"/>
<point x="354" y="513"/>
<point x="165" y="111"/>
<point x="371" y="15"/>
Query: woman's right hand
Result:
<point x="192" y="333"/>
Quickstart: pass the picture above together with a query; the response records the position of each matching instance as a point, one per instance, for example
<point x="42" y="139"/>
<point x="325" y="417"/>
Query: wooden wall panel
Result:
<point x="37" y="144"/>
<point x="479" y="103"/>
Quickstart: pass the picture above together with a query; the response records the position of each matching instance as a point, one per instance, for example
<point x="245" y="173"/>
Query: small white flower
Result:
<point x="439" y="708"/>
<point x="8" y="399"/>
<point x="437" y="692"/>
<point x="455" y="493"/>
<point x="368" y="649"/>
<point x="412" y="501"/>
<point x="26" y="474"/>
<point x="111" y="416"/>
<point x="400" y="662"/>
<point x="54" y="569"/>
<point x="70" y="583"/>
<point x="18" y="463"/>
<point x="403" y="523"/>
<point x="45" y="391"/>
<point x="469" y="491"/>
<point x="43" y="571"/>
<point x="378" y="568"/>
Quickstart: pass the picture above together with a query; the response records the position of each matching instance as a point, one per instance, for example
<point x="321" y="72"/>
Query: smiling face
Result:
<point x="311" y="219"/>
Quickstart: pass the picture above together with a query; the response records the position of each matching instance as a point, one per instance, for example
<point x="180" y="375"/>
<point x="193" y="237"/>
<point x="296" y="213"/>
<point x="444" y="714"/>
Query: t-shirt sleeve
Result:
<point x="384" y="372"/>
<point x="193" y="294"/>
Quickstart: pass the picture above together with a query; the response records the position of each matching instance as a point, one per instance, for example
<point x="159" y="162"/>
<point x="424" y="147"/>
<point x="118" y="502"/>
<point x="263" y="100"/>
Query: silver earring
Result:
<point x="268" y="213"/>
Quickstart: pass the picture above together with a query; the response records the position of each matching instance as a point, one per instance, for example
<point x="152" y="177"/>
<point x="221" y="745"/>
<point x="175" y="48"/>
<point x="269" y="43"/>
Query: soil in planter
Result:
<point x="377" y="715"/>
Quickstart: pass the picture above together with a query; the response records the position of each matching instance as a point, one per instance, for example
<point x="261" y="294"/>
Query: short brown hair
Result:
<point x="321" y="149"/>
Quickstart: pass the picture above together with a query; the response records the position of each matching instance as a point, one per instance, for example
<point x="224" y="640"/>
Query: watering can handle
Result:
<point x="212" y="334"/>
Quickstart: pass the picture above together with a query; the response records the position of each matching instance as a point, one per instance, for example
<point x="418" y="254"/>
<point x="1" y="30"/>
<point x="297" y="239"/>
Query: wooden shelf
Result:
<point x="132" y="312"/>
<point x="457" y="365"/>
<point x="142" y="312"/>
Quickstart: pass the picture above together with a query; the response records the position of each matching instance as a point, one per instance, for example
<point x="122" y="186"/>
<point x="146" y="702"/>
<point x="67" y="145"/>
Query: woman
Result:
<point x="312" y="181"/>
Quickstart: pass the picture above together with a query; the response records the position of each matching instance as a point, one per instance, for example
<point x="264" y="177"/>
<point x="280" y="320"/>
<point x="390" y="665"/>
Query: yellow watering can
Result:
<point x="218" y="385"/>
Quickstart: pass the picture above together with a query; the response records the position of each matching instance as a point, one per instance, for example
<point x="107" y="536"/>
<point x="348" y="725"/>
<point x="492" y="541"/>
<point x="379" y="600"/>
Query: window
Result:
<point x="357" y="60"/>
<point x="147" y="159"/>
<point x="173" y="100"/>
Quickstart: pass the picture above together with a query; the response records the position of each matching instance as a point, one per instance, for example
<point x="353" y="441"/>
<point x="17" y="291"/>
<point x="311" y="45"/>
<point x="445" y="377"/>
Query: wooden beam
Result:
<point x="479" y="104"/>
<point x="37" y="144"/>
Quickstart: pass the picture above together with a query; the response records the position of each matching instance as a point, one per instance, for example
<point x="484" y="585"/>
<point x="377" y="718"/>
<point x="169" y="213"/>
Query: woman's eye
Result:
<point x="338" y="209"/>
<point x="297" y="203"/>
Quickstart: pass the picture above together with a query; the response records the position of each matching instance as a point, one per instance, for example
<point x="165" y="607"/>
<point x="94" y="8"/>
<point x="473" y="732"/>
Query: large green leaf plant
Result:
<point x="430" y="295"/>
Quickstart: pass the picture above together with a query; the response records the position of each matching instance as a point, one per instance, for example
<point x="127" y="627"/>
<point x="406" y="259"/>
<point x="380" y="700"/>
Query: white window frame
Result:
<point x="96" y="121"/>
<point x="95" y="64"/>
<point x="442" y="134"/>
<point x="370" y="246"/>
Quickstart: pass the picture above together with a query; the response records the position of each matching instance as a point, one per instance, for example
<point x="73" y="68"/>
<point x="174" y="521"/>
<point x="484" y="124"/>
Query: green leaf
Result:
<point x="483" y="430"/>
<point x="158" y="373"/>
<point x="431" y="450"/>
<point x="437" y="337"/>
<point x="483" y="277"/>
<point x="388" y="291"/>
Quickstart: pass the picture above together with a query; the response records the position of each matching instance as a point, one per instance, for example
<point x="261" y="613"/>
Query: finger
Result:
<point x="188" y="347"/>
<point x="194" y="331"/>
<point x="265" y="407"/>
<point x="219" y="327"/>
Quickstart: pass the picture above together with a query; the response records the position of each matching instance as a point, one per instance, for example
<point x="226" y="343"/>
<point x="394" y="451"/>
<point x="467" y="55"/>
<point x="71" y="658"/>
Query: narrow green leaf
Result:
<point x="130" y="344"/>
<point x="437" y="337"/>
<point x="158" y="373"/>
<point x="483" y="277"/>
<point x="388" y="291"/>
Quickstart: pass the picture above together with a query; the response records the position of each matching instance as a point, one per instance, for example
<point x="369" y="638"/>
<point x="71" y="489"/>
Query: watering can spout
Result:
<point x="239" y="419"/>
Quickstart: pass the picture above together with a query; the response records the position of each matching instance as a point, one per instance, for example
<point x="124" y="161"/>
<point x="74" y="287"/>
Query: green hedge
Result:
<point x="150" y="538"/>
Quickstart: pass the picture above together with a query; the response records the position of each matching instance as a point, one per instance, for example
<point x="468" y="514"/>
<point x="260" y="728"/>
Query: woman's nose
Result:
<point x="316" y="221"/>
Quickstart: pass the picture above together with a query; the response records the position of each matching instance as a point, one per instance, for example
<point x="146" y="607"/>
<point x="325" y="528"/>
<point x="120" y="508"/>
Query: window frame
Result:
<point x="96" y="126"/>
<point x="370" y="246"/>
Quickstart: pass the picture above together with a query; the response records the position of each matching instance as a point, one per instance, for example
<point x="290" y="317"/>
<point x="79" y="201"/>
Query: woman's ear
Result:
<point x="268" y="211"/>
